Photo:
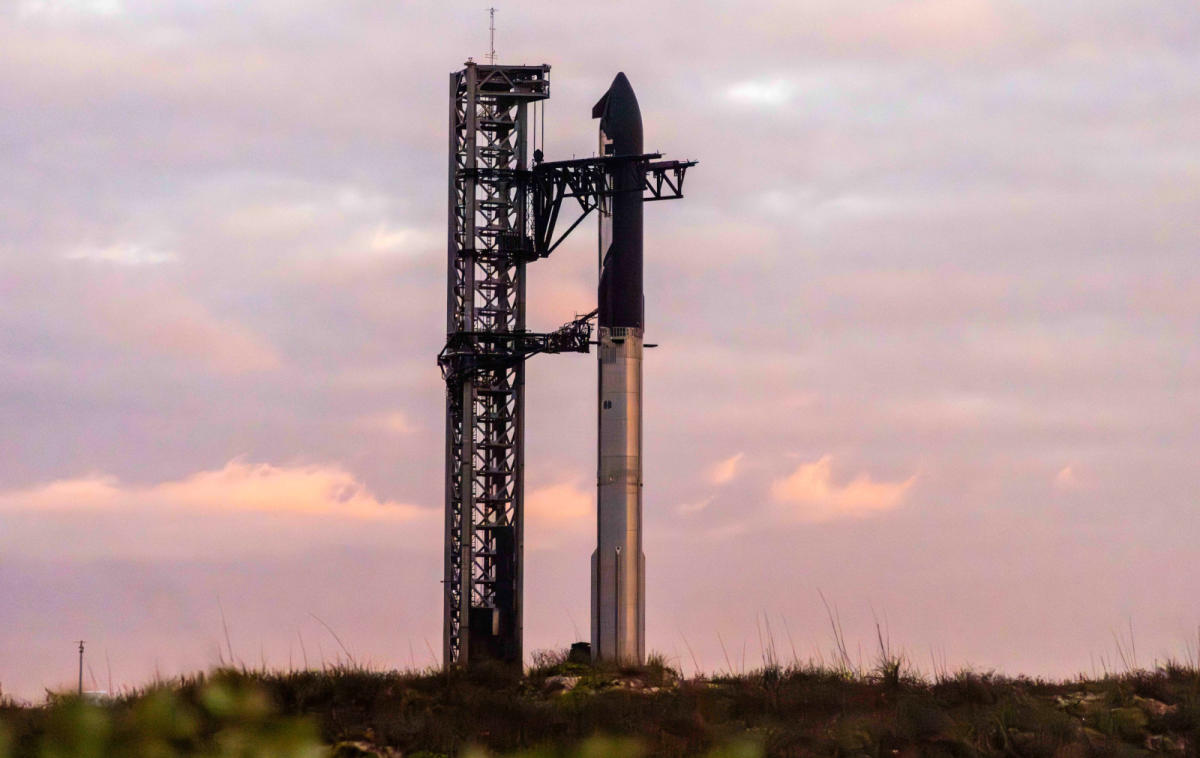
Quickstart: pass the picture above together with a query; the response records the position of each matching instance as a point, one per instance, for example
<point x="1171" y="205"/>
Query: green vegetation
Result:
<point x="560" y="708"/>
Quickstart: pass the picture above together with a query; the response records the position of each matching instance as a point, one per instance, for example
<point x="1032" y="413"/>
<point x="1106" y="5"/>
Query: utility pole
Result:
<point x="81" y="668"/>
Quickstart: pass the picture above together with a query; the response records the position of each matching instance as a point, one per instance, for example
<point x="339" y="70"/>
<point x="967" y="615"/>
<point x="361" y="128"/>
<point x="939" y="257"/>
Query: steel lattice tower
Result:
<point x="488" y="245"/>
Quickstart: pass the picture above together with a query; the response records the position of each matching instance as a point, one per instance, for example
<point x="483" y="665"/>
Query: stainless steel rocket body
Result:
<point x="618" y="565"/>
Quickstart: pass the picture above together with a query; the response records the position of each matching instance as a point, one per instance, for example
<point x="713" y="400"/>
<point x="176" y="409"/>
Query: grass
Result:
<point x="564" y="708"/>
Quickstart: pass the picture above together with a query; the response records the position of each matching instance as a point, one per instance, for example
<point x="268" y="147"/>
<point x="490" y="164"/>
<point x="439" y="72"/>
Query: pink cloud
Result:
<point x="241" y="508"/>
<point x="810" y="493"/>
<point x="558" y="512"/>
<point x="688" y="509"/>
<point x="314" y="490"/>
<point x="723" y="471"/>
<point x="562" y="503"/>
<point x="395" y="422"/>
<point x="1066" y="479"/>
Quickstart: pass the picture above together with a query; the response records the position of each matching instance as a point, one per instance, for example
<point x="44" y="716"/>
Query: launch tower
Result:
<point x="502" y="215"/>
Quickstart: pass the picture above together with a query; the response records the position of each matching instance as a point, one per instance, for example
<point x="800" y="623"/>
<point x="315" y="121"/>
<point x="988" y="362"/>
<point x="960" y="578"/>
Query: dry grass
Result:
<point x="563" y="708"/>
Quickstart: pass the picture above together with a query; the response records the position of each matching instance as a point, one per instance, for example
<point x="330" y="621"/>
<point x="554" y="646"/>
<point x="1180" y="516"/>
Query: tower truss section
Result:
<point x="489" y="243"/>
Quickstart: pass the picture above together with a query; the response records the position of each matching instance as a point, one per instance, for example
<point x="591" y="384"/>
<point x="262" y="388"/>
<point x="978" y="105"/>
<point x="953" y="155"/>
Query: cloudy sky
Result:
<point x="928" y="322"/>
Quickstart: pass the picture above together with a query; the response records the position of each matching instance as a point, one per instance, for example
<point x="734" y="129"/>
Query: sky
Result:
<point x="927" y="319"/>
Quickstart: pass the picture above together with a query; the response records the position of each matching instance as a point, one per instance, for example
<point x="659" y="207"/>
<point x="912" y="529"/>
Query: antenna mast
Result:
<point x="492" y="32"/>
<point x="81" y="667"/>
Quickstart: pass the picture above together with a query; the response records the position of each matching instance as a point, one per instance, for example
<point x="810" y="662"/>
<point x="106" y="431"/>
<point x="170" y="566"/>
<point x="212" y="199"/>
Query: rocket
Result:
<point x="618" y="565"/>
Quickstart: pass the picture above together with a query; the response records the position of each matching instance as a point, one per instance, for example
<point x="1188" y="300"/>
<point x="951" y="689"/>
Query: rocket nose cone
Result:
<point x="621" y="87"/>
<point x="620" y="117"/>
<point x="618" y="101"/>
